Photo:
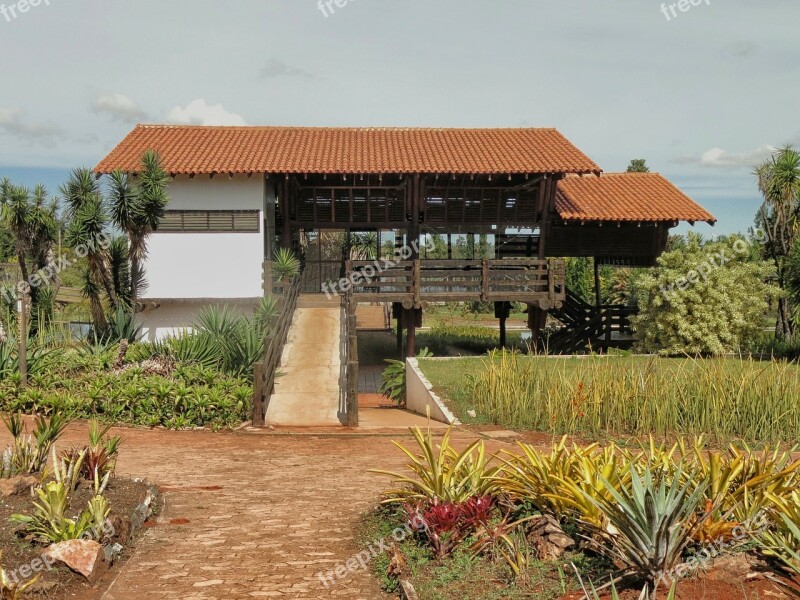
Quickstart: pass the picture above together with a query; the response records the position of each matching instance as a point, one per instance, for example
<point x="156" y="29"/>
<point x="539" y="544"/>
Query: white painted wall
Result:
<point x="176" y="318"/>
<point x="208" y="265"/>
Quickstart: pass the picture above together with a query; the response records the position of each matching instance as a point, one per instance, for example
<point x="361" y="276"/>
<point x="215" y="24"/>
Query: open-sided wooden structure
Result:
<point x="539" y="197"/>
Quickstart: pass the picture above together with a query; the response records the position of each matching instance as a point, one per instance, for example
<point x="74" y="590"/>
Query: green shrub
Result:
<point x="704" y="299"/>
<point x="393" y="379"/>
<point x="470" y="338"/>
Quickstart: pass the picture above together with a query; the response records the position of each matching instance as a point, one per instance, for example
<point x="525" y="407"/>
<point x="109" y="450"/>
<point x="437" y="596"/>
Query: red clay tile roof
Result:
<point x="205" y="150"/>
<point x="646" y="197"/>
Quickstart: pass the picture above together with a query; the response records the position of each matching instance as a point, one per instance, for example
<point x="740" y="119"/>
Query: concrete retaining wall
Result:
<point x="420" y="396"/>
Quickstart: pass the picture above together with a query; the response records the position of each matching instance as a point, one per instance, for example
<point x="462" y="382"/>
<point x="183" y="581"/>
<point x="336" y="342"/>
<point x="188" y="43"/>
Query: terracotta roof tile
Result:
<point x="646" y="197"/>
<point x="205" y="150"/>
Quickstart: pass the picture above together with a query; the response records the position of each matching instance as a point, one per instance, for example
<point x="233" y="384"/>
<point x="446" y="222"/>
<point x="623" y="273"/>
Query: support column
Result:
<point x="286" y="234"/>
<point x="397" y="313"/>
<point x="413" y="319"/>
<point x="502" y="310"/>
<point x="537" y="319"/>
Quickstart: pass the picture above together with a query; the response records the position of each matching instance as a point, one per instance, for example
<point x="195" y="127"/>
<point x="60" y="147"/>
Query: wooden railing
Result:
<point x="588" y="327"/>
<point x="264" y="372"/>
<point x="348" y="353"/>
<point x="416" y="281"/>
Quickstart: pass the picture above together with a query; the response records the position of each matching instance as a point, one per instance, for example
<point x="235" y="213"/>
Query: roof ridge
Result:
<point x="336" y="128"/>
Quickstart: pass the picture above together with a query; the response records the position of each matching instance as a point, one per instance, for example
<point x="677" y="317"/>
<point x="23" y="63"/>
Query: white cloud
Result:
<point x="198" y="112"/>
<point x="119" y="107"/>
<point x="719" y="158"/>
<point x="276" y="68"/>
<point x="11" y="122"/>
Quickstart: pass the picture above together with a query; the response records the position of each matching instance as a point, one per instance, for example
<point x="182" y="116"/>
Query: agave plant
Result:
<point x="650" y="523"/>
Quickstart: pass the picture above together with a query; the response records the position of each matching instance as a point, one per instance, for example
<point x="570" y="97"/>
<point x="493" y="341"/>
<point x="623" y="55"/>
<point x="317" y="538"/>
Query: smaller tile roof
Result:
<point x="204" y="150"/>
<point x="645" y="197"/>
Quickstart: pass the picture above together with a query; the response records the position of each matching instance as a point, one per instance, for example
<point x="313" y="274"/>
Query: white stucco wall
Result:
<point x="176" y="318"/>
<point x="208" y="265"/>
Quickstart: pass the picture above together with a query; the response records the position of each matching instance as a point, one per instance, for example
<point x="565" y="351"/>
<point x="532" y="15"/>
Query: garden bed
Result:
<point x="658" y="521"/>
<point x="126" y="498"/>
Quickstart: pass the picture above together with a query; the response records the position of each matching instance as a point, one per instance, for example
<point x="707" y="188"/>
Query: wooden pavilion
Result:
<point x="539" y="197"/>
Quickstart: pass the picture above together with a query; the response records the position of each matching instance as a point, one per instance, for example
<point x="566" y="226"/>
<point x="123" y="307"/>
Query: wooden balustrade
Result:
<point x="414" y="282"/>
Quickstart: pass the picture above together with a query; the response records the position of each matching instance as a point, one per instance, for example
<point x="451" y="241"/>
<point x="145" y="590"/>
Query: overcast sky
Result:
<point x="702" y="95"/>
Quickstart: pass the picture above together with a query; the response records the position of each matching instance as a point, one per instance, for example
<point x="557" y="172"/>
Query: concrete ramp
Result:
<point x="307" y="391"/>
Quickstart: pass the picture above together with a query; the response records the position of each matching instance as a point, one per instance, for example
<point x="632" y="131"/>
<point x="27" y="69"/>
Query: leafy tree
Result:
<point x="704" y="298"/>
<point x="580" y="278"/>
<point x="779" y="183"/>
<point x="638" y="165"/>
<point x="436" y="247"/>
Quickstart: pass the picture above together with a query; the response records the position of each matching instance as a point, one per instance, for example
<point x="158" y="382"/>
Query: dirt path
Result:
<point x="250" y="515"/>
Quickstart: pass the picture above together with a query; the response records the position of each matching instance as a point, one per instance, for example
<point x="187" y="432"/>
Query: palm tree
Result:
<point x="137" y="209"/>
<point x="88" y="221"/>
<point x="779" y="183"/>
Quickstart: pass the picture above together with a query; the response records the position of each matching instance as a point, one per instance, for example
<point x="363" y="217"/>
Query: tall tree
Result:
<point x="88" y="221"/>
<point x="779" y="183"/>
<point x="137" y="208"/>
<point x="638" y="165"/>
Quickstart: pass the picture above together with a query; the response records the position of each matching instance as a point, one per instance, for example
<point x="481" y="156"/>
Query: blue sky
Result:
<point x="703" y="96"/>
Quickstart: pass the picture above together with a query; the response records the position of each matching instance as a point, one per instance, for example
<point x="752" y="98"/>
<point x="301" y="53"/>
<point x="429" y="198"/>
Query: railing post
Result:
<point x="551" y="280"/>
<point x="484" y="280"/>
<point x="258" y="395"/>
<point x="417" y="283"/>
<point x="352" y="366"/>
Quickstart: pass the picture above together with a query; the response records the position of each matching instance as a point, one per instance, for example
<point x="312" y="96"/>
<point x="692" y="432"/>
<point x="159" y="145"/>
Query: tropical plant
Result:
<point x="88" y="221"/>
<point x="442" y="474"/>
<point x="28" y="453"/>
<point x="393" y="379"/>
<point x="285" y="265"/>
<point x="137" y="209"/>
<point x="649" y="523"/>
<point x="49" y="523"/>
<point x="779" y="183"/>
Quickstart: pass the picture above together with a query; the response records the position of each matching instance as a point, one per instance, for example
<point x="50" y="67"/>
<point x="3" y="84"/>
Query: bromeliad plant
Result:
<point x="10" y="589"/>
<point x="442" y="474"/>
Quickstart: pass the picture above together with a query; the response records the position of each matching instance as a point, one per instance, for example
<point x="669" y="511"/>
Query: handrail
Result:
<point x="264" y="372"/>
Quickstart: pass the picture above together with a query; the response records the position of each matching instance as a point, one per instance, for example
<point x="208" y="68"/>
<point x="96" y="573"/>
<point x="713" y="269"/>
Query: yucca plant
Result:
<point x="441" y="474"/>
<point x="649" y="523"/>
<point x="285" y="265"/>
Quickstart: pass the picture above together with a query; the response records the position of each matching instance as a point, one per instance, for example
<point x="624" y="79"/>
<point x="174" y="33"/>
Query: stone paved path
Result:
<point x="266" y="513"/>
<point x="251" y="515"/>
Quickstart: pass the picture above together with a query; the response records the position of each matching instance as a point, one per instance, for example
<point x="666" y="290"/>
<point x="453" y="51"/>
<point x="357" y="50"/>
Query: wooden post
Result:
<point x="503" y="343"/>
<point x="23" y="339"/>
<point x="484" y="280"/>
<point x="411" y="337"/>
<point x="258" y="395"/>
<point x="398" y="310"/>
